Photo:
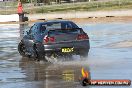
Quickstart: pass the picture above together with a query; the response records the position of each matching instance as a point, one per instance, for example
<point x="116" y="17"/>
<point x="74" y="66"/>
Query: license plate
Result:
<point x="67" y="50"/>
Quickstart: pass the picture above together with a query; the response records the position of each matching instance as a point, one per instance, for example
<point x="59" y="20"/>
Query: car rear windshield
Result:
<point x="59" y="25"/>
<point x="63" y="31"/>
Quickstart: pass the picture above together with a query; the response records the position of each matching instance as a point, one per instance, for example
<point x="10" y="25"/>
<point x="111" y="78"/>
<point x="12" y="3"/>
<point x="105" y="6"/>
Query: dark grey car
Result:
<point x="57" y="38"/>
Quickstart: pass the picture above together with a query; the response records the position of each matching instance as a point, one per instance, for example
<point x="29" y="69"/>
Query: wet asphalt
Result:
<point x="110" y="57"/>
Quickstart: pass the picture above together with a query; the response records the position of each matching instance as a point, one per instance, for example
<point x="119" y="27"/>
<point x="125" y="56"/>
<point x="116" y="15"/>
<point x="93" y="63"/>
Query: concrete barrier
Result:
<point x="9" y="18"/>
<point x="79" y="14"/>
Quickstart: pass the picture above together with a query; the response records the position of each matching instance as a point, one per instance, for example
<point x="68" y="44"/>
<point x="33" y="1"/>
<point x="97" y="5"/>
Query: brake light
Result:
<point x="82" y="36"/>
<point x="46" y="39"/>
<point x="49" y="39"/>
<point x="52" y="39"/>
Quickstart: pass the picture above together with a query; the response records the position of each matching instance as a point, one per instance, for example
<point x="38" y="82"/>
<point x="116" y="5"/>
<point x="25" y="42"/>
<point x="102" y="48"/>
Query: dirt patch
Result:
<point x="84" y="20"/>
<point x="103" y="19"/>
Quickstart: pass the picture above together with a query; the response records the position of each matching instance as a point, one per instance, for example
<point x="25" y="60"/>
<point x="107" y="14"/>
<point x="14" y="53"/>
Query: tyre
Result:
<point x="38" y="55"/>
<point x="84" y="54"/>
<point x="21" y="49"/>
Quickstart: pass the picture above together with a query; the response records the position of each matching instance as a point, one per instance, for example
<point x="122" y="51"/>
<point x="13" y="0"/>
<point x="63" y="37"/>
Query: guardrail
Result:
<point x="9" y="18"/>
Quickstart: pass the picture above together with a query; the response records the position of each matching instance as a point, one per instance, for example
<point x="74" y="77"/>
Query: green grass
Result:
<point x="82" y="6"/>
<point x="87" y="6"/>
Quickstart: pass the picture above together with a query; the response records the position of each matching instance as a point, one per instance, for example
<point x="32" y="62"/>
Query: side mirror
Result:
<point x="27" y="32"/>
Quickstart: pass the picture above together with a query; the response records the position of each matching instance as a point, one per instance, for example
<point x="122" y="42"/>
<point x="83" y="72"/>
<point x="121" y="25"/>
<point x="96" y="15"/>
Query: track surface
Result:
<point x="110" y="57"/>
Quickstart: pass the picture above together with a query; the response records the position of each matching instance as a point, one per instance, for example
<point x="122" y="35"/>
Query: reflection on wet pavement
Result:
<point x="109" y="58"/>
<point x="52" y="75"/>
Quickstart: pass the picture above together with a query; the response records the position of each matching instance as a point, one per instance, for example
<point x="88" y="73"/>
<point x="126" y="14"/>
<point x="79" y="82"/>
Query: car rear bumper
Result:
<point x="76" y="45"/>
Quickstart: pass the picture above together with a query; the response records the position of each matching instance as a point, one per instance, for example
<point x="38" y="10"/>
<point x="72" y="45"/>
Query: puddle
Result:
<point x="109" y="58"/>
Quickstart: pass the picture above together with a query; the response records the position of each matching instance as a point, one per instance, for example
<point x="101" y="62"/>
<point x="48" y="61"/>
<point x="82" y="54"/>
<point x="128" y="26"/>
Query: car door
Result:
<point x="30" y="38"/>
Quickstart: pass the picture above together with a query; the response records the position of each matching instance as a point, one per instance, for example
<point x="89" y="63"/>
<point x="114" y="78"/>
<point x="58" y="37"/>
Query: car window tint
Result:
<point x="51" y="25"/>
<point x="54" y="26"/>
<point x="32" y="29"/>
<point x="63" y="31"/>
<point x="67" y="26"/>
<point x="42" y="28"/>
<point x="36" y="29"/>
<point x="59" y="25"/>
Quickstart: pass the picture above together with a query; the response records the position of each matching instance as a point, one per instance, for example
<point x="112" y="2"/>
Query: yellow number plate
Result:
<point x="67" y="50"/>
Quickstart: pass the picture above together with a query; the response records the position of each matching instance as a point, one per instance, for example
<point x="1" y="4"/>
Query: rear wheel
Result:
<point x="84" y="54"/>
<point x="37" y="54"/>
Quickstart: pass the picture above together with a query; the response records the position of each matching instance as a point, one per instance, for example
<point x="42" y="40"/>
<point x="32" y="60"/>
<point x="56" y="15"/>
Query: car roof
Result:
<point x="52" y="21"/>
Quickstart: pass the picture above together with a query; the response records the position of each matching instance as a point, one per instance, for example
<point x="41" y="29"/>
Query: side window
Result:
<point x="69" y="25"/>
<point x="56" y="25"/>
<point x="32" y="31"/>
<point x="43" y="28"/>
<point x="36" y="29"/>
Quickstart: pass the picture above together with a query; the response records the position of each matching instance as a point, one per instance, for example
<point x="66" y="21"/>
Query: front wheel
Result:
<point x="21" y="49"/>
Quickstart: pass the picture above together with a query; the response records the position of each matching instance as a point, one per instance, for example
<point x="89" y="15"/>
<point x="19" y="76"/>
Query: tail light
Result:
<point x="52" y="39"/>
<point x="49" y="39"/>
<point x="82" y="36"/>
